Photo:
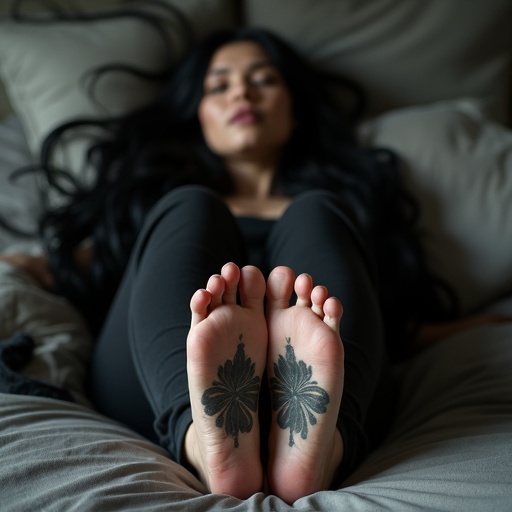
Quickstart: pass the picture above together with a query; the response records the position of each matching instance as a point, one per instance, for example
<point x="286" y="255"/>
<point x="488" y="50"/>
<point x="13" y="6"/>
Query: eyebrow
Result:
<point x="254" y="66"/>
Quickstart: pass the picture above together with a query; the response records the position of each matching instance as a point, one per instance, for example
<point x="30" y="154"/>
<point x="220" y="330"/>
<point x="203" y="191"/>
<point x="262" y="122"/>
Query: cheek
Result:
<point x="206" y="116"/>
<point x="285" y="114"/>
<point x="210" y="118"/>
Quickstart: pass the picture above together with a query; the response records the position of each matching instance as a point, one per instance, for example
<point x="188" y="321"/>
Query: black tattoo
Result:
<point x="295" y="396"/>
<point x="234" y="395"/>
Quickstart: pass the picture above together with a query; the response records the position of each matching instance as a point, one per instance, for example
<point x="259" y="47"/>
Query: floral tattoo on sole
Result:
<point x="295" y="397"/>
<point x="234" y="397"/>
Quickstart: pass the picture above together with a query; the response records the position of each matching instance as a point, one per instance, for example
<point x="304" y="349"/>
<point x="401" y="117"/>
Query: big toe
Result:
<point x="252" y="287"/>
<point x="280" y="288"/>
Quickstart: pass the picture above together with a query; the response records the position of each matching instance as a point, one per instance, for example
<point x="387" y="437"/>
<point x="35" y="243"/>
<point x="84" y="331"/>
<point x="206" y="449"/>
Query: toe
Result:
<point x="279" y="288"/>
<point x="216" y="287"/>
<point x="231" y="274"/>
<point x="199" y="306"/>
<point x="333" y="311"/>
<point x="318" y="297"/>
<point x="252" y="288"/>
<point x="303" y="286"/>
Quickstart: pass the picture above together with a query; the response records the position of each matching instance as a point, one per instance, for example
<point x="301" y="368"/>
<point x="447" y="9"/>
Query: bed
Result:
<point x="438" y="77"/>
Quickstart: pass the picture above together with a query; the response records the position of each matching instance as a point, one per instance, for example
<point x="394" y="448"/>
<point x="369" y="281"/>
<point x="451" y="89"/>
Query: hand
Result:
<point x="35" y="265"/>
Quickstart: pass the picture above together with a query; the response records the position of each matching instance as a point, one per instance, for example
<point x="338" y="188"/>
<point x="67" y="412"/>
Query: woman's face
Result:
<point x="246" y="109"/>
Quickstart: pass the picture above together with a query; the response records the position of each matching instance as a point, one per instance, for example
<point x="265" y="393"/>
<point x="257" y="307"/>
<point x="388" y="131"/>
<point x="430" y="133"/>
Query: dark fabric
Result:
<point x="15" y="354"/>
<point x="139" y="365"/>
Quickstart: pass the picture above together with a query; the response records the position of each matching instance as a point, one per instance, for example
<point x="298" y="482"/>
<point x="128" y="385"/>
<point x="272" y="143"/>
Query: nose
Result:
<point x="241" y="89"/>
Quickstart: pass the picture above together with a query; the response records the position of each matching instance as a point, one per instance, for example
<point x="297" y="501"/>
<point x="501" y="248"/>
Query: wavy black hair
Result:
<point x="160" y="147"/>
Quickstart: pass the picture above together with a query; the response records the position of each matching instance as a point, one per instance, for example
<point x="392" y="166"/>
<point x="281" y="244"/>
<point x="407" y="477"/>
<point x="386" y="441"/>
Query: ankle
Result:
<point x="336" y="458"/>
<point x="192" y="458"/>
<point x="216" y="479"/>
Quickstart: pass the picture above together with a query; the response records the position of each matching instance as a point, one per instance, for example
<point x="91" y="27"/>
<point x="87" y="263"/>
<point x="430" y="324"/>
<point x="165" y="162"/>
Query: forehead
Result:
<point x="239" y="55"/>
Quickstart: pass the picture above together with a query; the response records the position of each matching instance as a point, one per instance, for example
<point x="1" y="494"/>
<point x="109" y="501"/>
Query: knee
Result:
<point x="185" y="213"/>
<point x="317" y="208"/>
<point x="315" y="197"/>
<point x="188" y="201"/>
<point x="316" y="202"/>
<point x="192" y="195"/>
<point x="185" y="209"/>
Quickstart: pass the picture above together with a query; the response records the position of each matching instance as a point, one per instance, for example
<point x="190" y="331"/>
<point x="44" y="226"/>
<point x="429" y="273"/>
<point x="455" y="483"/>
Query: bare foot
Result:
<point x="305" y="369"/>
<point x="226" y="356"/>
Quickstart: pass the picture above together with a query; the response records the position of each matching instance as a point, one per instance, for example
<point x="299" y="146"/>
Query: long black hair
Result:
<point x="160" y="147"/>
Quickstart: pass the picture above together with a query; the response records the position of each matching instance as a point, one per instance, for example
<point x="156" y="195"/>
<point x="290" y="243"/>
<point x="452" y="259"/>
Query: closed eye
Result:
<point x="264" y="80"/>
<point x="216" y="88"/>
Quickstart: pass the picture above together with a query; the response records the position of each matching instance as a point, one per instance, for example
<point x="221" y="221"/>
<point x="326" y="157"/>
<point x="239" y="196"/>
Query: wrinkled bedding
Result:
<point x="450" y="447"/>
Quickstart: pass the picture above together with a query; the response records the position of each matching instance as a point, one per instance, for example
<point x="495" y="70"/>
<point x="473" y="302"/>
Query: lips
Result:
<point x="245" y="115"/>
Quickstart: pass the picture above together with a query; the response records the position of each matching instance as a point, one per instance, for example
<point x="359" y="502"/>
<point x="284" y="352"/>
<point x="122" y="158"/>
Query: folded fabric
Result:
<point x="15" y="353"/>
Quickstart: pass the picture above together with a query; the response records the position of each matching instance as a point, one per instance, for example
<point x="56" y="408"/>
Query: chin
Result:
<point x="247" y="148"/>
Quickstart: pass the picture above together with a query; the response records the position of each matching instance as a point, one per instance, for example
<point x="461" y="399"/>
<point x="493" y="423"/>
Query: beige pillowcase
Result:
<point x="403" y="52"/>
<point x="43" y="66"/>
<point x="459" y="166"/>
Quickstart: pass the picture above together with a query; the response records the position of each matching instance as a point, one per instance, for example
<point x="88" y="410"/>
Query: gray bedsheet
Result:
<point x="450" y="448"/>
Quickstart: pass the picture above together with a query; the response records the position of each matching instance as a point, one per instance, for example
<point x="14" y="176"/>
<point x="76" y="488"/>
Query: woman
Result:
<point x="243" y="179"/>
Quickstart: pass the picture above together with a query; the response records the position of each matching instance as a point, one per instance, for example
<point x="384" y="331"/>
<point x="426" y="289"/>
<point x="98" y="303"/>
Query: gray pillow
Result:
<point x="403" y="53"/>
<point x="43" y="66"/>
<point x="458" y="164"/>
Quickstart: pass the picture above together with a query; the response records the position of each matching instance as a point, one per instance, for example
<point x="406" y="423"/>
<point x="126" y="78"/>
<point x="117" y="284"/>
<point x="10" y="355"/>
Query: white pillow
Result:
<point x="43" y="66"/>
<point x="458" y="164"/>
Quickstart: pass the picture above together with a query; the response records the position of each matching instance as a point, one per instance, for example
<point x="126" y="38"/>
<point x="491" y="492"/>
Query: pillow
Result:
<point x="458" y="165"/>
<point x="403" y="53"/>
<point x="20" y="201"/>
<point x="43" y="66"/>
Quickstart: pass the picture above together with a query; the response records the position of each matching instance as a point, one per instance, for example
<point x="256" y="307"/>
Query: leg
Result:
<point x="305" y="366"/>
<point x="139" y="367"/>
<point x="223" y="441"/>
<point x="316" y="236"/>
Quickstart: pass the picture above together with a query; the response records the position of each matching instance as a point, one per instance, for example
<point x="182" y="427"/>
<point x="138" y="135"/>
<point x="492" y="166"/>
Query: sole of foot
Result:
<point x="226" y="357"/>
<point x="306" y="373"/>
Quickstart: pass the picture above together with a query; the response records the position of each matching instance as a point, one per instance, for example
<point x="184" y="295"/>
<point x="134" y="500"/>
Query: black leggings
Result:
<point x="139" y="365"/>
